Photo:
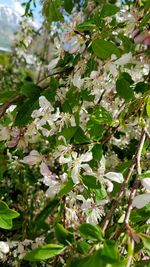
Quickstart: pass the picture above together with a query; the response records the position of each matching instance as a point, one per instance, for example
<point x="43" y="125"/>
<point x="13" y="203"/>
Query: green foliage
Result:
<point x="63" y="236"/>
<point x="6" y="216"/>
<point x="104" y="49"/>
<point x="44" y="252"/>
<point x="90" y="232"/>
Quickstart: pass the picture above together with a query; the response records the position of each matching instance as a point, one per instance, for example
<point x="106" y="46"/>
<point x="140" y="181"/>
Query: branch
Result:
<point x="115" y="203"/>
<point x="12" y="101"/>
<point x="18" y="98"/>
<point x="139" y="152"/>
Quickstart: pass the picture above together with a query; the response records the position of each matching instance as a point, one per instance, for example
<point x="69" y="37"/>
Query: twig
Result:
<point x="12" y="101"/>
<point x="18" y="98"/>
<point x="147" y="133"/>
<point x="140" y="152"/>
<point x="121" y="194"/>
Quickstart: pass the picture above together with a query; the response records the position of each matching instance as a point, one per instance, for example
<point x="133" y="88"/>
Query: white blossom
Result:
<point x="33" y="158"/>
<point x="141" y="201"/>
<point x="146" y="183"/>
<point x="4" y="247"/>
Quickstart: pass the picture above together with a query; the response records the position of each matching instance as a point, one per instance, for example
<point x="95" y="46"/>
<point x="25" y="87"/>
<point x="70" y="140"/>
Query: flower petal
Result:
<point x="141" y="201"/>
<point x="146" y="183"/>
<point x="115" y="177"/>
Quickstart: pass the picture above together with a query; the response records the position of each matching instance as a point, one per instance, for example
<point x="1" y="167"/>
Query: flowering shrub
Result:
<point x="75" y="143"/>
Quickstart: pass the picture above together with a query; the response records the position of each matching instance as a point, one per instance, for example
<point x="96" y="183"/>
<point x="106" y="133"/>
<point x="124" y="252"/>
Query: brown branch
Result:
<point x="115" y="203"/>
<point x="12" y="101"/>
<point x="18" y="98"/>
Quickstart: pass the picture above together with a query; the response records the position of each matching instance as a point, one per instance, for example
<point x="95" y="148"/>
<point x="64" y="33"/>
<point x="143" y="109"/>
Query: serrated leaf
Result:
<point x="44" y="252"/>
<point x="104" y="49"/>
<point x="30" y="90"/>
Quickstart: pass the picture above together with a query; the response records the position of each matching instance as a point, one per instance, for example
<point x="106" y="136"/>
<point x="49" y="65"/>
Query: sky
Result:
<point x="16" y="5"/>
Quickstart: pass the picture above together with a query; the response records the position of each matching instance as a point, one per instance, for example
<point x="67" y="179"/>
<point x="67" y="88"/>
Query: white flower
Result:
<point x="48" y="175"/>
<point x="33" y="158"/>
<point x="93" y="211"/>
<point x="115" y="177"/>
<point x="77" y="81"/>
<point x="124" y="59"/>
<point x="77" y="164"/>
<point x="49" y="180"/>
<point x="4" y="247"/>
<point x="53" y="63"/>
<point x="141" y="201"/>
<point x="146" y="183"/>
<point x="95" y="216"/>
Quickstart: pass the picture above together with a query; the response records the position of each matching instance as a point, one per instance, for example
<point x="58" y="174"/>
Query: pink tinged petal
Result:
<point x="115" y="177"/>
<point x="44" y="170"/>
<point x="141" y="201"/>
<point x="139" y="39"/>
<point x="134" y="33"/>
<point x="86" y="157"/>
<point x="146" y="183"/>
<point x="147" y="41"/>
<point x="33" y="158"/>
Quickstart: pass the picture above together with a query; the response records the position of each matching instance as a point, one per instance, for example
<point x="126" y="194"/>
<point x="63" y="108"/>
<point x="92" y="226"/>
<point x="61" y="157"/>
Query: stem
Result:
<point x="135" y="162"/>
<point x="130" y="251"/>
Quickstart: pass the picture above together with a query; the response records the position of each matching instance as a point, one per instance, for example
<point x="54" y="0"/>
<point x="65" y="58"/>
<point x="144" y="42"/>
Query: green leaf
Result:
<point x="68" y="132"/>
<point x="90" y="232"/>
<point x="43" y="215"/>
<point x="124" y="89"/>
<point x="148" y="107"/>
<point x="101" y="116"/>
<point x="88" y="25"/>
<point x="24" y="112"/>
<point x="63" y="236"/>
<point x="127" y="42"/>
<point x="97" y="152"/>
<point x="91" y="181"/>
<point x="104" y="49"/>
<point x="95" y="130"/>
<point x="83" y="247"/>
<point x="80" y="137"/>
<point x="30" y="90"/>
<point x="146" y="243"/>
<point x="109" y="10"/>
<point x="44" y="252"/>
<point x="50" y="93"/>
<point x="66" y="188"/>
<point x="51" y="10"/>
<point x="141" y="87"/>
<point x="68" y="5"/>
<point x="6" y="216"/>
<point x="145" y="20"/>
